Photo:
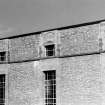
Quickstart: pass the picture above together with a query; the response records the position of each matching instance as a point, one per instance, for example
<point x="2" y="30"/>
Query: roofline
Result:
<point x="59" y="28"/>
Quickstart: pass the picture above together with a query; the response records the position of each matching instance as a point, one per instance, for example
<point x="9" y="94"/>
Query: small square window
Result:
<point x="2" y="56"/>
<point x="50" y="50"/>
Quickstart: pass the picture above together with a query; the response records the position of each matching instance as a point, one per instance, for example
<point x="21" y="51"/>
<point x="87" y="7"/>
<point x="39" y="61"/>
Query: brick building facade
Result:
<point x="62" y="66"/>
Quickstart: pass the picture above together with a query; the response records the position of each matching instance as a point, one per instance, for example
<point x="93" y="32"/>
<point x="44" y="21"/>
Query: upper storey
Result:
<point x="61" y="42"/>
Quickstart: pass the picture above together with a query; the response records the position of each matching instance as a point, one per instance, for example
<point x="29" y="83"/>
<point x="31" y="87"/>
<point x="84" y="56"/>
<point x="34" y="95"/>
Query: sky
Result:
<point x="25" y="16"/>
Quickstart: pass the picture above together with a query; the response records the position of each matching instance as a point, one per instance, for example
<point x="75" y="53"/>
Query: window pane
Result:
<point x="1" y="93"/>
<point x="50" y="96"/>
<point x="49" y="47"/>
<point x="2" y="56"/>
<point x="54" y="95"/>
<point x="49" y="101"/>
<point x="1" y="101"/>
<point x="2" y="78"/>
<point x="50" y="50"/>
<point x="50" y="87"/>
<point x="2" y="85"/>
<point x="52" y="82"/>
<point x="50" y="53"/>
<point x="54" y="100"/>
<point x="51" y="77"/>
<point x="51" y="72"/>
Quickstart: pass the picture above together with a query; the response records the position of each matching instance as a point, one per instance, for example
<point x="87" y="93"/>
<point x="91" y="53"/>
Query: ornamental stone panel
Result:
<point x="48" y="38"/>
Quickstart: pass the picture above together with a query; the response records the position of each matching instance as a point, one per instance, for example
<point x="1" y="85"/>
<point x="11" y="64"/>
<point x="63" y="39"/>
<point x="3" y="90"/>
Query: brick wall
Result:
<point x="25" y="84"/>
<point x="80" y="40"/>
<point x="24" y="48"/>
<point x="81" y="81"/>
<point x="102" y="60"/>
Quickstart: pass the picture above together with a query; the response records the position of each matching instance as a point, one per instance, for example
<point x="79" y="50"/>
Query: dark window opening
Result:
<point x="50" y="87"/>
<point x="50" y="50"/>
<point x="2" y="89"/>
<point x="2" y="56"/>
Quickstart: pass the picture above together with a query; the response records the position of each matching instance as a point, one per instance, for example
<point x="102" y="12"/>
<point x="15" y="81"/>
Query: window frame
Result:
<point x="50" y="87"/>
<point x="50" y="51"/>
<point x="2" y="86"/>
<point x="3" y="56"/>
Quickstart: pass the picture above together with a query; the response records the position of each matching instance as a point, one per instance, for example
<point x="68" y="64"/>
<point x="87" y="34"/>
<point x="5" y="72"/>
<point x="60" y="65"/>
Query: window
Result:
<point x="2" y="56"/>
<point x="50" y="50"/>
<point x="50" y="87"/>
<point x="2" y="89"/>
